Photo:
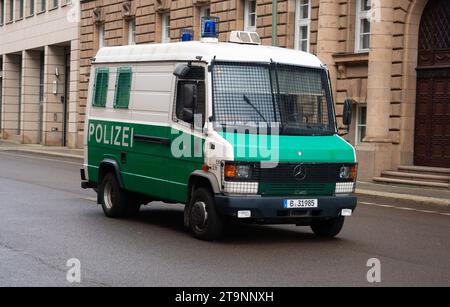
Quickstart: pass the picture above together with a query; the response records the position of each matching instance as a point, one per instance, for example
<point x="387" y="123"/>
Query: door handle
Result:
<point x="152" y="140"/>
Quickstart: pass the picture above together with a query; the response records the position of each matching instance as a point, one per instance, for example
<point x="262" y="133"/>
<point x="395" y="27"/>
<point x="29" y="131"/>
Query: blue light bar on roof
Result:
<point x="210" y="26"/>
<point x="187" y="35"/>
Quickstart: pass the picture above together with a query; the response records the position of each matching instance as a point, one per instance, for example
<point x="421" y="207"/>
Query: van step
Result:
<point x="411" y="182"/>
<point x="416" y="176"/>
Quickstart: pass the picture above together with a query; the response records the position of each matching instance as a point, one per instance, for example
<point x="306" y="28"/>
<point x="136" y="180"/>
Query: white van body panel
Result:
<point x="195" y="51"/>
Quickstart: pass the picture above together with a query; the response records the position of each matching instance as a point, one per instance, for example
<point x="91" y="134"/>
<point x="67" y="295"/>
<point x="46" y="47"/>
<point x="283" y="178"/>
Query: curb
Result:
<point x="424" y="200"/>
<point x="47" y="153"/>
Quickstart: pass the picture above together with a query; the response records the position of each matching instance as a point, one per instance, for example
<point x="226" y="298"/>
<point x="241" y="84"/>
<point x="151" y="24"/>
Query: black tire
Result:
<point x="209" y="227"/>
<point x="115" y="201"/>
<point x="328" y="228"/>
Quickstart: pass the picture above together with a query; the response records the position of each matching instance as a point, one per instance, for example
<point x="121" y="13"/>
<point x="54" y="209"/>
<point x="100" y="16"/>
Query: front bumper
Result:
<point x="270" y="210"/>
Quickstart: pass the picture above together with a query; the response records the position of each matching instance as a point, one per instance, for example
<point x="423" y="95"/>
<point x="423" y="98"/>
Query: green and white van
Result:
<point x="234" y="131"/>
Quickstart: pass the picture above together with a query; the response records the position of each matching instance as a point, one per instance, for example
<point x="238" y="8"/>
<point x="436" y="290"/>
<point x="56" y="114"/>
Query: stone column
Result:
<point x="1" y="95"/>
<point x="375" y="153"/>
<point x="379" y="75"/>
<point x="73" y="140"/>
<point x="328" y="36"/>
<point x="30" y="96"/>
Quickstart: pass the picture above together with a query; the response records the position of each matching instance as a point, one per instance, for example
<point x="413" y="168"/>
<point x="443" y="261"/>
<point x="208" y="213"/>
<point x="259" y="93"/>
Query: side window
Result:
<point x="123" y="88"/>
<point x="363" y="15"/>
<point x="191" y="88"/>
<point x="361" y="123"/>
<point x="100" y="87"/>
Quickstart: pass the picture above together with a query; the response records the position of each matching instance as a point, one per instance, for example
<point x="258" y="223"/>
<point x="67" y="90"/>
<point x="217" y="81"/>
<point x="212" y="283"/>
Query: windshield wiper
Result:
<point x="254" y="108"/>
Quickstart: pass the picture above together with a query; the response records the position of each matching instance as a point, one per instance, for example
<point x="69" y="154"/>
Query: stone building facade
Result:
<point x="391" y="57"/>
<point x="39" y="72"/>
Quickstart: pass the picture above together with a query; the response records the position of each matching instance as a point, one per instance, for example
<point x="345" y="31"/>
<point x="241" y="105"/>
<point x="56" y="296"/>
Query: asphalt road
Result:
<point x="46" y="219"/>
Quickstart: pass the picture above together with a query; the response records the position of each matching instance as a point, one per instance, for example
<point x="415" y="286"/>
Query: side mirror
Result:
<point x="347" y="112"/>
<point x="182" y="70"/>
<point x="189" y="101"/>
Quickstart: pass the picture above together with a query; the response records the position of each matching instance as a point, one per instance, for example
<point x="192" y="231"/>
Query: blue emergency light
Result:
<point x="187" y="35"/>
<point x="210" y="27"/>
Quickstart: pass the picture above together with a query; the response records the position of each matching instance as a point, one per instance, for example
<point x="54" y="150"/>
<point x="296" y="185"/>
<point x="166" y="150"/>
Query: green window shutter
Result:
<point x="100" y="87"/>
<point x="123" y="88"/>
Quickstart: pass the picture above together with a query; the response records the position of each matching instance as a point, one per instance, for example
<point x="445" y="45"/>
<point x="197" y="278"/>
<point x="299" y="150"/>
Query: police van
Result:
<point x="233" y="130"/>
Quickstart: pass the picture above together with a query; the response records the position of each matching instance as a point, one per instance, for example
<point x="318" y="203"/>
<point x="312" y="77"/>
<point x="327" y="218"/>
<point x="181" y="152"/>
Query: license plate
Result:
<point x="300" y="203"/>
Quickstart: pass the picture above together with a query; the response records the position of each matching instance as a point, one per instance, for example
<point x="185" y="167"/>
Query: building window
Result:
<point x="131" y="32"/>
<point x="100" y="87"/>
<point x="205" y="11"/>
<point x="123" y="88"/>
<point x="101" y="36"/>
<point x="11" y="10"/>
<point x="302" y="24"/>
<point x="43" y="6"/>
<point x="31" y="7"/>
<point x="20" y="8"/>
<point x="2" y="12"/>
<point x="250" y="15"/>
<point x="41" y="76"/>
<point x="363" y="12"/>
<point x="55" y="3"/>
<point x="361" y="123"/>
<point x="165" y="28"/>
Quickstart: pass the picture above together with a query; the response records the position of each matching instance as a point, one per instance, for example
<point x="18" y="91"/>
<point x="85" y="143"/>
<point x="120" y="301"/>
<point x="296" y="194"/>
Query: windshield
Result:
<point x="295" y="99"/>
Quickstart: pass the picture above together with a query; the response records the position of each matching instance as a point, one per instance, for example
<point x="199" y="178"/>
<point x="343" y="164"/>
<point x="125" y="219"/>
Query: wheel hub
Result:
<point x="199" y="215"/>
<point x="108" y="195"/>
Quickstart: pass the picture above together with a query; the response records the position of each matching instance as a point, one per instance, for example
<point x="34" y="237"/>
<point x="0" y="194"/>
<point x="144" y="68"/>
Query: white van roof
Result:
<point x="191" y="51"/>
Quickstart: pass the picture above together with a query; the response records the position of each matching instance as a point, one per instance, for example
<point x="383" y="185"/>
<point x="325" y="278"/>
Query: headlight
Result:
<point x="243" y="171"/>
<point x="239" y="179"/>
<point x="348" y="172"/>
<point x="344" y="173"/>
<point x="233" y="171"/>
<point x="347" y="178"/>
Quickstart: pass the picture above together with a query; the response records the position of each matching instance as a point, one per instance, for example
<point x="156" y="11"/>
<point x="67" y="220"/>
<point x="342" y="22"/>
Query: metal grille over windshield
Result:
<point x="242" y="94"/>
<point x="296" y="99"/>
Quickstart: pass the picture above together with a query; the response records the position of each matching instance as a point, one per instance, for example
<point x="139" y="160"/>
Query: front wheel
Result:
<point x="328" y="228"/>
<point x="115" y="201"/>
<point x="204" y="221"/>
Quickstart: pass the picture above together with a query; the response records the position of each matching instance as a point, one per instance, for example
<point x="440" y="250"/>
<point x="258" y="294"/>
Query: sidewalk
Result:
<point x="55" y="151"/>
<point x="424" y="195"/>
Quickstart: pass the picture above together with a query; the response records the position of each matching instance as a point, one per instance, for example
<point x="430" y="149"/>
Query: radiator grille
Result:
<point x="301" y="179"/>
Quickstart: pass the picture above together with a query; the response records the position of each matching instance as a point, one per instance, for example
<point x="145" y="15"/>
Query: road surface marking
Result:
<point x="39" y="158"/>
<point x="404" y="208"/>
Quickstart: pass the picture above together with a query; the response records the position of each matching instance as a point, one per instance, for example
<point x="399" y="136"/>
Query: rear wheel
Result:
<point x="204" y="221"/>
<point x="328" y="228"/>
<point x="115" y="201"/>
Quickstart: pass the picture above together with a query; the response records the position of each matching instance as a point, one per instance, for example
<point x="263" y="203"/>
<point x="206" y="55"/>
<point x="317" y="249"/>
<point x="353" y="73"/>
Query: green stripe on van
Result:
<point x="153" y="169"/>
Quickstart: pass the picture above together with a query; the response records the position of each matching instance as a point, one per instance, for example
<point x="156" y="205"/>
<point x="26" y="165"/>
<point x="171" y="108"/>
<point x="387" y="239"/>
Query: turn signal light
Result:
<point x="353" y="172"/>
<point x="230" y="170"/>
